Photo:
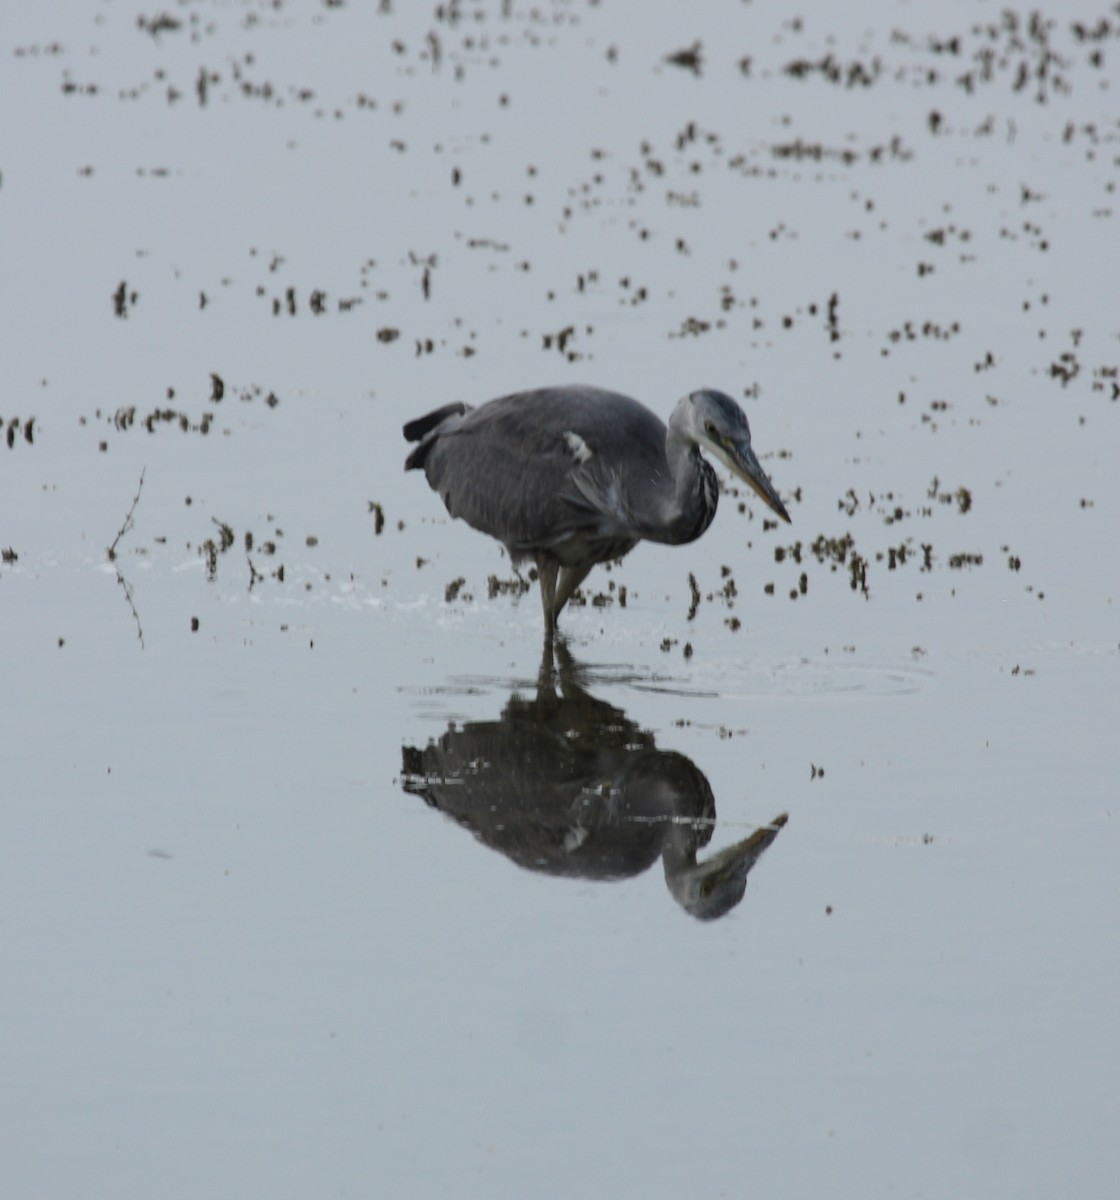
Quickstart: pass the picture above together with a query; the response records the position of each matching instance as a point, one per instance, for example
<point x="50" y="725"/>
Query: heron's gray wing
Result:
<point x="530" y="470"/>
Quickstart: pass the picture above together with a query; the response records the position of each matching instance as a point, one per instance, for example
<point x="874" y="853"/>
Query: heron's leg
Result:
<point x="570" y="579"/>
<point x="547" y="567"/>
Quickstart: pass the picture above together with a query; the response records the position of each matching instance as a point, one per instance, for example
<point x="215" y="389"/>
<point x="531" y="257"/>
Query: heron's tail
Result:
<point x="421" y="429"/>
<point x="422" y="426"/>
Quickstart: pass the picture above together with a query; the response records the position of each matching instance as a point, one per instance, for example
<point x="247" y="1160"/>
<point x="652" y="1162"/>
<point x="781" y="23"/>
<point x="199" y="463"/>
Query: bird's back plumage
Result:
<point x="545" y="470"/>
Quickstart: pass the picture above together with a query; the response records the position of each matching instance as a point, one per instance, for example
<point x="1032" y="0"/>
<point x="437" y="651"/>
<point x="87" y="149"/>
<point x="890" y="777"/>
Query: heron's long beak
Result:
<point x="740" y="459"/>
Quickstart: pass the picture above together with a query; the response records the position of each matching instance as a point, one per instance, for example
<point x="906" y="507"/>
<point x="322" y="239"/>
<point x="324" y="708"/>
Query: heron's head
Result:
<point x="717" y="424"/>
<point x="712" y="888"/>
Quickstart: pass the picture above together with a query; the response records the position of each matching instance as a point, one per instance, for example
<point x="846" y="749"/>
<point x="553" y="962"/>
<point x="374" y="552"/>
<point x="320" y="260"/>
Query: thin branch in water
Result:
<point x="131" y="604"/>
<point x="126" y="525"/>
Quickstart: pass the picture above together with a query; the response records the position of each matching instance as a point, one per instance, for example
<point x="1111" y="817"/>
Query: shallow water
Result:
<point x="317" y="877"/>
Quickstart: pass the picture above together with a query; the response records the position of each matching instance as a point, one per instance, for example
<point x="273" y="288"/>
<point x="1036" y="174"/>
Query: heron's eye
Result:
<point x="710" y="430"/>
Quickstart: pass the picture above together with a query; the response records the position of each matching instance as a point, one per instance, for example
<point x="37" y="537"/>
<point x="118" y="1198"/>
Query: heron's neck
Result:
<point x="695" y="490"/>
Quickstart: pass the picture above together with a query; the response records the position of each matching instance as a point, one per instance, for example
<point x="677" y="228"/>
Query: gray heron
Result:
<point x="573" y="476"/>
<point x="563" y="783"/>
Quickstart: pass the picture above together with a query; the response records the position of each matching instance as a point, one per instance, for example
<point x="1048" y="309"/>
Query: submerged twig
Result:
<point x="695" y="596"/>
<point x="127" y="523"/>
<point x="131" y="604"/>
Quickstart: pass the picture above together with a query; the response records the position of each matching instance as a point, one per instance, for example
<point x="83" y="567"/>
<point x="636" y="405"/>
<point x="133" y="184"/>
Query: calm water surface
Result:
<point x="794" y="873"/>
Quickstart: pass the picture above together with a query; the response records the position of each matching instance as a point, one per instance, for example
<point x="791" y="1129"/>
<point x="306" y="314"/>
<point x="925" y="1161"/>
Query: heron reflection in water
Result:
<point x="573" y="476"/>
<point x="566" y="784"/>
